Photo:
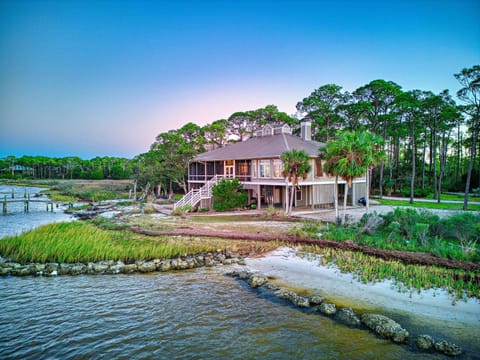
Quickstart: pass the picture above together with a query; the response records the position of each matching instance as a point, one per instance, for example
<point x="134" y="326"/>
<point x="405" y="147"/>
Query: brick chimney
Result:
<point x="306" y="130"/>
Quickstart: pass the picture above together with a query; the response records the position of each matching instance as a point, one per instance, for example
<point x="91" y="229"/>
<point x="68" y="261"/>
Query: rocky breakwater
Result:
<point x="219" y="257"/>
<point x="381" y="325"/>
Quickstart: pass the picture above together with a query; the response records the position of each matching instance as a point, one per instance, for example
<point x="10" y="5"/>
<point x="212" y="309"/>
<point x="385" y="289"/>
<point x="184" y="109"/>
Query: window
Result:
<point x="264" y="169"/>
<point x="299" y="194"/>
<point x="318" y="168"/>
<point x="243" y="168"/>
<point x="254" y="168"/>
<point x="277" y="168"/>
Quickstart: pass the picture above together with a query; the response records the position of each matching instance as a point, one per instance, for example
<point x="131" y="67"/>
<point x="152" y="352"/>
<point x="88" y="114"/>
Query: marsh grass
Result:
<point x="84" y="242"/>
<point x="91" y="190"/>
<point x="367" y="269"/>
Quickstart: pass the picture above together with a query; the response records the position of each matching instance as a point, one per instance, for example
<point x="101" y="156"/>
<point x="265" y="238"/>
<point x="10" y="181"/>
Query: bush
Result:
<point x="180" y="211"/>
<point x="308" y="229"/>
<point x="418" y="192"/>
<point x="464" y="228"/>
<point x="229" y="195"/>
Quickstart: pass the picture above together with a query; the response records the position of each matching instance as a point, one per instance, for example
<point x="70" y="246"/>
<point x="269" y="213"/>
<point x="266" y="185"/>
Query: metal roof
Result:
<point x="261" y="147"/>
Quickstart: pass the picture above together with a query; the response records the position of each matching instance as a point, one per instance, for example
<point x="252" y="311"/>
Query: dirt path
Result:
<point x="417" y="258"/>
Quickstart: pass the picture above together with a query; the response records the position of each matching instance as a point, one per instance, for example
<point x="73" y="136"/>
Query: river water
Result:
<point x="198" y="314"/>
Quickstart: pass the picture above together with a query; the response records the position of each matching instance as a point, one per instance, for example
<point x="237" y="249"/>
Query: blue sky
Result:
<point x="103" y="78"/>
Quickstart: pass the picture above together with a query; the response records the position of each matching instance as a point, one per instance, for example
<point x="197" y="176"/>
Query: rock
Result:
<point x="101" y="267"/>
<point x="293" y="297"/>
<point x="301" y="301"/>
<point x="129" y="268"/>
<point x="165" y="265"/>
<point x="347" y="316"/>
<point x="64" y="269"/>
<point x="22" y="271"/>
<point x="316" y="299"/>
<point x="448" y="348"/>
<point x="5" y="270"/>
<point x="146" y="266"/>
<point x="39" y="269"/>
<point x="327" y="309"/>
<point x="199" y="260"/>
<point x="117" y="268"/>
<point x="78" y="269"/>
<point x="241" y="262"/>
<point x="51" y="269"/>
<point x="271" y="287"/>
<point x="258" y="280"/>
<point x="425" y="342"/>
<point x="385" y="327"/>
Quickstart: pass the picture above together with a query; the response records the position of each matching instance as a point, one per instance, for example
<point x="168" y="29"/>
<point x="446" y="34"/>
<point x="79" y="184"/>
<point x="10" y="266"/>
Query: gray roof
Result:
<point x="261" y="147"/>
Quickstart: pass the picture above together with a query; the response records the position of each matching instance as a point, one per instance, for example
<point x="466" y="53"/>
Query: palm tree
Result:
<point x="295" y="165"/>
<point x="351" y="155"/>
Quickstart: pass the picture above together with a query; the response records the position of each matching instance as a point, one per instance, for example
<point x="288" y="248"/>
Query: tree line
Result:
<point x="43" y="167"/>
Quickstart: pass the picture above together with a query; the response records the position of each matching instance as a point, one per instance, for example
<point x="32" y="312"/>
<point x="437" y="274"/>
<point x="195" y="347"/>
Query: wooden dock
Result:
<point x="26" y="203"/>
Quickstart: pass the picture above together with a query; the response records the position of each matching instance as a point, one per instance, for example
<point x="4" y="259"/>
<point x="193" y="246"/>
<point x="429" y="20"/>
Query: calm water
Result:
<point x="17" y="221"/>
<point x="184" y="315"/>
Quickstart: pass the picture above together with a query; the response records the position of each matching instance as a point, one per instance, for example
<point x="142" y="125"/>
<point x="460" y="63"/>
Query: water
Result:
<point x="184" y="315"/>
<point x="17" y="221"/>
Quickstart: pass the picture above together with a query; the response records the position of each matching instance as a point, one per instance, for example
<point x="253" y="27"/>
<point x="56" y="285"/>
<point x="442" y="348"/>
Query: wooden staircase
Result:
<point x="194" y="196"/>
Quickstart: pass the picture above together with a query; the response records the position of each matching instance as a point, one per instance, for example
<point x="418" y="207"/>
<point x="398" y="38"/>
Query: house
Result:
<point x="256" y="164"/>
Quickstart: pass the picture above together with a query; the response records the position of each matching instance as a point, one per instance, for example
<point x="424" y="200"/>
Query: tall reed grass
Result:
<point x="461" y="284"/>
<point x="83" y="242"/>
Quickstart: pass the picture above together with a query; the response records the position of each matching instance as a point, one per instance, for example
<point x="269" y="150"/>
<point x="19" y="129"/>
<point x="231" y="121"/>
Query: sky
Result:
<point x="104" y="78"/>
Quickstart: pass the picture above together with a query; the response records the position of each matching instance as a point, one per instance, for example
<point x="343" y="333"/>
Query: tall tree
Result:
<point x="377" y="98"/>
<point x="296" y="164"/>
<point x="409" y="107"/>
<point x="321" y="107"/>
<point x="216" y="133"/>
<point x="469" y="79"/>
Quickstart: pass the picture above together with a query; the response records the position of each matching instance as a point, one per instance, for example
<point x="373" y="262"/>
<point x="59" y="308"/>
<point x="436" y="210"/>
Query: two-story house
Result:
<point x="257" y="165"/>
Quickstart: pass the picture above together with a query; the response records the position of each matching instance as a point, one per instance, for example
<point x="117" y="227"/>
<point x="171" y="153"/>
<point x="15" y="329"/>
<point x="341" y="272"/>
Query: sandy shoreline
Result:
<point x="299" y="272"/>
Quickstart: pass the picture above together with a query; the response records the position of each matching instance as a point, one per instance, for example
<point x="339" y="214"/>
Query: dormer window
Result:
<point x="267" y="130"/>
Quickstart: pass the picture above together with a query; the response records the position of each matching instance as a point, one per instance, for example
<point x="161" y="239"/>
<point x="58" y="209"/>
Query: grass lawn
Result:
<point x="428" y="205"/>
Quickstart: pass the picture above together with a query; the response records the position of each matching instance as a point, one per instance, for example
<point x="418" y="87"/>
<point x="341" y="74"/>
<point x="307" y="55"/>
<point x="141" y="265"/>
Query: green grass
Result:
<point x="83" y="242"/>
<point x="429" y="205"/>
<point x="454" y="197"/>
<point x="461" y="284"/>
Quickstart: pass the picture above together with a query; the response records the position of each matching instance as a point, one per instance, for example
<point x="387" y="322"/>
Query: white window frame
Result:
<point x="263" y="166"/>
<point x="277" y="168"/>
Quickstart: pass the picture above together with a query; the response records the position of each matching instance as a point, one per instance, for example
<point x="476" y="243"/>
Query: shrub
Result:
<point x="463" y="227"/>
<point x="369" y="223"/>
<point x="180" y="211"/>
<point x="229" y="195"/>
<point x="418" y="192"/>
<point x="405" y="223"/>
<point x="308" y="229"/>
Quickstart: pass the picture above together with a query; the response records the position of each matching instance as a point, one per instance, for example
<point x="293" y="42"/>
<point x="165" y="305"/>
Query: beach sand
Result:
<point x="431" y="311"/>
